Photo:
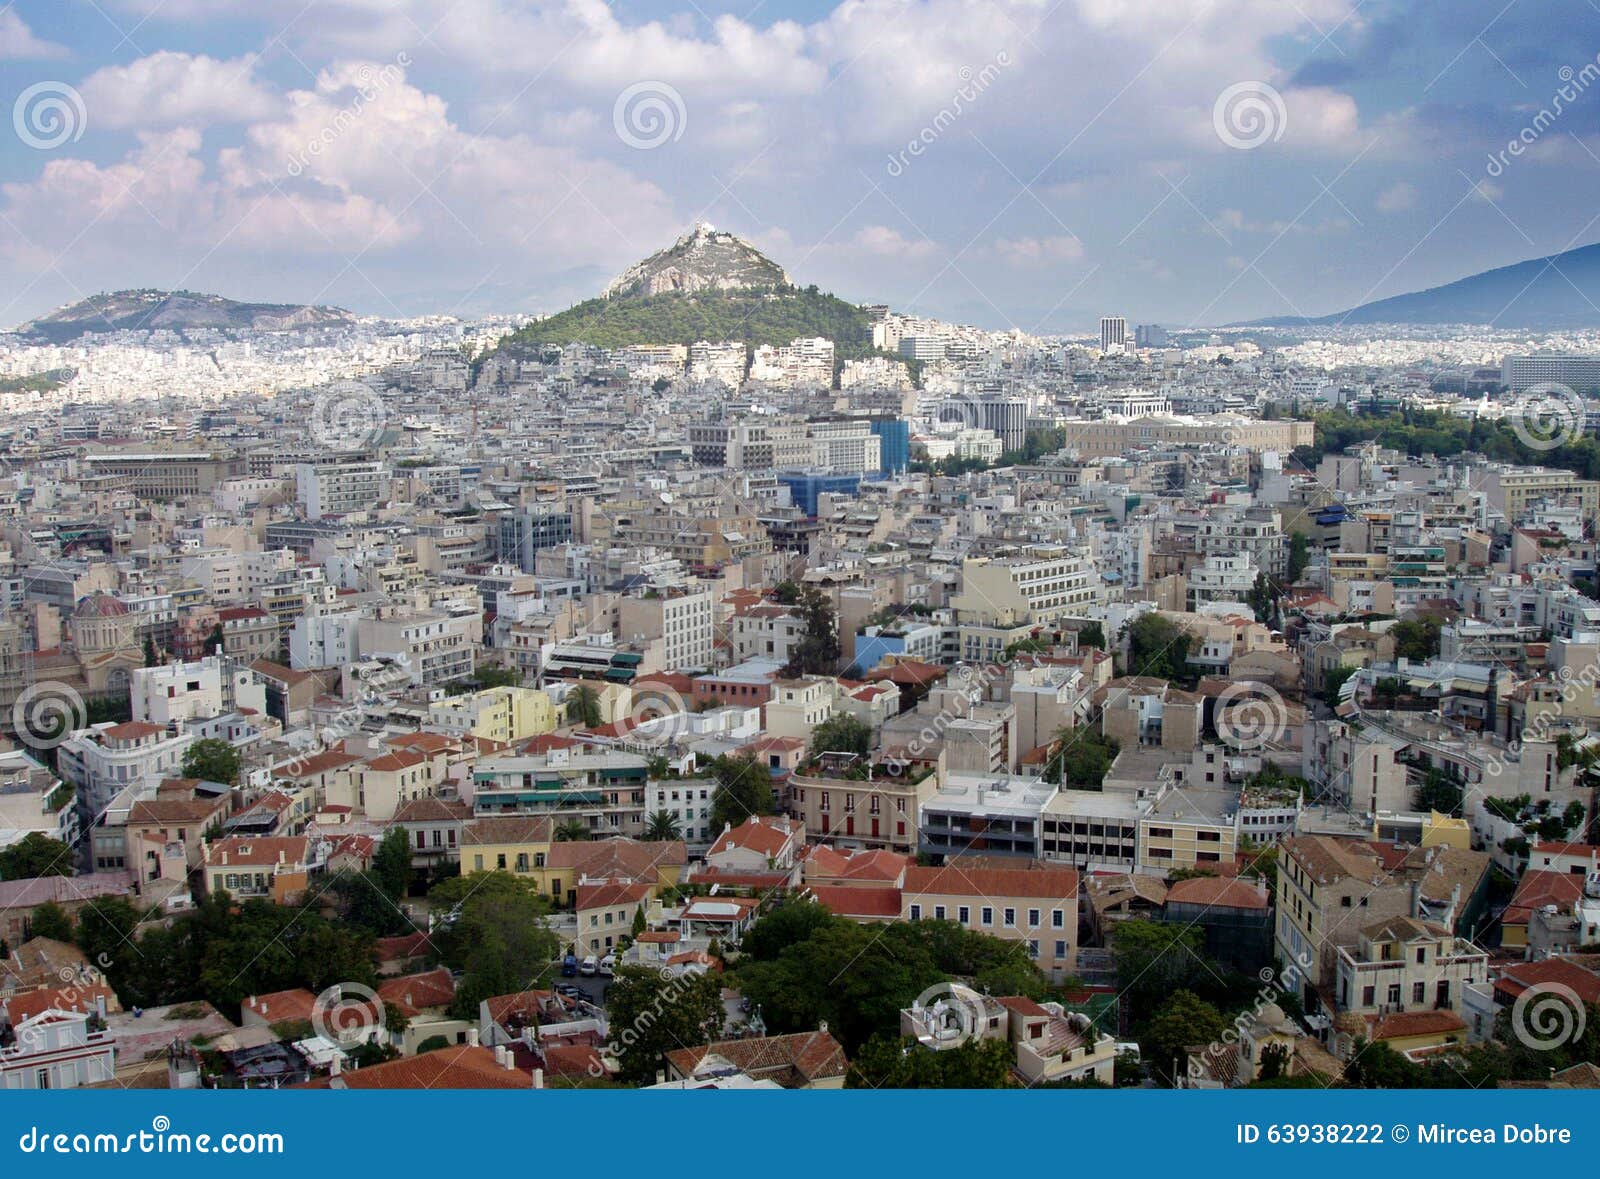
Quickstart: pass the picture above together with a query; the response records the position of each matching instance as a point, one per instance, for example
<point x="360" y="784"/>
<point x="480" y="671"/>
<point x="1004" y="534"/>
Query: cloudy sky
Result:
<point x="1028" y="163"/>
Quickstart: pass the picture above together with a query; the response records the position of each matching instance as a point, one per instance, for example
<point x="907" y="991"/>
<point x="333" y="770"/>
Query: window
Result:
<point x="916" y="912"/>
<point x="1011" y="918"/>
<point x="1369" y="996"/>
<point x="1033" y="948"/>
<point x="1422" y="955"/>
<point x="988" y="915"/>
<point x="1419" y="992"/>
<point x="938" y="912"/>
<point x="964" y="915"/>
<point x="1061" y="949"/>
<point x="1033" y="918"/>
<point x="477" y="863"/>
<point x="500" y="860"/>
<point x="1057" y="919"/>
<point x="1394" y="994"/>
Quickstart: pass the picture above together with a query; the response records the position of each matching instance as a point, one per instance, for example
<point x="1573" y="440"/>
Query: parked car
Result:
<point x="569" y="966"/>
<point x="608" y="965"/>
<point x="568" y="990"/>
<point x="590" y="967"/>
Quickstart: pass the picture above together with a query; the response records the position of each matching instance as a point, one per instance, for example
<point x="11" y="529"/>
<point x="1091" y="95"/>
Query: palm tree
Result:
<point x="662" y="827"/>
<point x="583" y="706"/>
<point x="572" y="831"/>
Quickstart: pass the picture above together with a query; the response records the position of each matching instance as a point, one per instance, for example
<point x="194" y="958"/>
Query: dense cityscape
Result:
<point x="500" y="677"/>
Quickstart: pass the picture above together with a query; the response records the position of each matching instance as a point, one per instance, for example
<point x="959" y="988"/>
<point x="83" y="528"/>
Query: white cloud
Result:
<point x="1039" y="251"/>
<point x="17" y="40"/>
<point x="1397" y="198"/>
<point x="169" y="89"/>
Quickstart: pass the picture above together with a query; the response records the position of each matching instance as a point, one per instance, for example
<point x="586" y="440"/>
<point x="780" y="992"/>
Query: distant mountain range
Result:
<point x="151" y="310"/>
<point x="707" y="285"/>
<point x="1549" y="294"/>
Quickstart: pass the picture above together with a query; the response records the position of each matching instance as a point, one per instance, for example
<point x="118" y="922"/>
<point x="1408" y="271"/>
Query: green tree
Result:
<point x="583" y="705"/>
<point x="885" y="1062"/>
<point x="650" y="1016"/>
<point x="1093" y="635"/>
<point x="1156" y="958"/>
<point x="1082" y="759"/>
<point x="662" y="827"/>
<point x="572" y="831"/>
<point x="213" y="760"/>
<point x="391" y="863"/>
<point x="35" y="855"/>
<point x="1183" y="1020"/>
<point x="1416" y="639"/>
<point x="1158" y="647"/>
<point x="1299" y="555"/>
<point x="151" y="657"/>
<point x="497" y="934"/>
<point x="50" y="920"/>
<point x="1332" y="681"/>
<point x="817" y="652"/>
<point x="842" y="733"/>
<point x="1441" y="793"/>
<point x="744" y="789"/>
<point x="490" y="675"/>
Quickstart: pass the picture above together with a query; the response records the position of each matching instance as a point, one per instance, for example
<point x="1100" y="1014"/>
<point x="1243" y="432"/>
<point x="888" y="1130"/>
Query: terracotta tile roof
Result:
<point x="247" y="851"/>
<point x="390" y="763"/>
<point x="955" y="880"/>
<point x="132" y="730"/>
<point x="412" y="993"/>
<point x="294" y="1004"/>
<point x="1217" y="892"/>
<point x="610" y="896"/>
<point x="1549" y="973"/>
<point x="1413" y="1023"/>
<point x="618" y="858"/>
<point x="762" y="834"/>
<point x="1539" y="888"/>
<point x="877" y="904"/>
<point x="458" y="1067"/>
<point x="794" y="1060"/>
<point x="507" y="829"/>
<point x="175" y="810"/>
<point x="432" y="810"/>
<point x="80" y="997"/>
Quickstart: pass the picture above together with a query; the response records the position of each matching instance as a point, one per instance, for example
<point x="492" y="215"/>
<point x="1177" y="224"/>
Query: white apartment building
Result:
<point x="845" y="445"/>
<point x="177" y="692"/>
<point x="689" y="801"/>
<point x="433" y="646"/>
<point x="324" y="640"/>
<point x="1042" y="586"/>
<point x="337" y="489"/>
<point x="105" y="759"/>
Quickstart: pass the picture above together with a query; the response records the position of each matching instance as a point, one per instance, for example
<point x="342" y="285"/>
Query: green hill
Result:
<point x="773" y="316"/>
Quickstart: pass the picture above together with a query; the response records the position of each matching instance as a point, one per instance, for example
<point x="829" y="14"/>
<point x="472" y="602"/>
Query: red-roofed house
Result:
<point x="760" y="843"/>
<point x="1036" y="905"/>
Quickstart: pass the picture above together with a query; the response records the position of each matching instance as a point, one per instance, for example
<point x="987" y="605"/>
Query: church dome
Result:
<point x="100" y="605"/>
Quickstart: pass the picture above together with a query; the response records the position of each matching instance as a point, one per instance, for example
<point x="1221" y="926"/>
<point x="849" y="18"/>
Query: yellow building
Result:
<point x="504" y="714"/>
<point x="519" y="844"/>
